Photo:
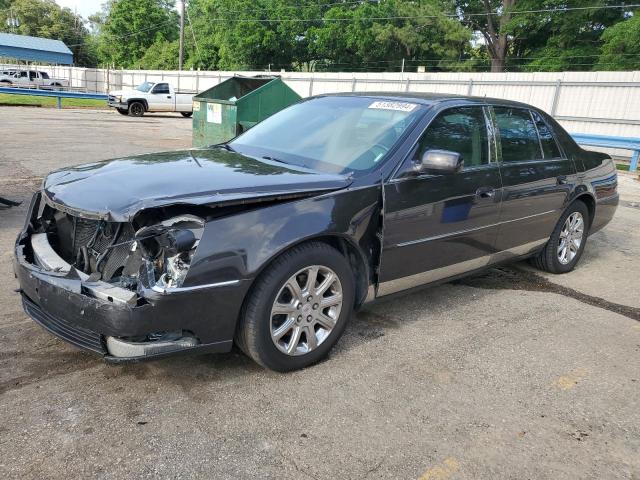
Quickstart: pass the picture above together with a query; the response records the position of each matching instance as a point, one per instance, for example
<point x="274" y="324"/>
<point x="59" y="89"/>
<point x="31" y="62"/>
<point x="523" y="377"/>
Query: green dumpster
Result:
<point x="235" y="105"/>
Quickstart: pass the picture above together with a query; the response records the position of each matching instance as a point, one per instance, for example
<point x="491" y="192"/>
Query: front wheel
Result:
<point x="566" y="244"/>
<point x="186" y="114"/>
<point x="136" y="109"/>
<point x="298" y="308"/>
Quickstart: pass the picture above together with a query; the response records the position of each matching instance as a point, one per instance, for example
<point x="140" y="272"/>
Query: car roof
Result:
<point x="429" y="98"/>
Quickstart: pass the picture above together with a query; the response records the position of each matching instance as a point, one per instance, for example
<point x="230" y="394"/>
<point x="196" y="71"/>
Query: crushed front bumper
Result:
<point x="69" y="307"/>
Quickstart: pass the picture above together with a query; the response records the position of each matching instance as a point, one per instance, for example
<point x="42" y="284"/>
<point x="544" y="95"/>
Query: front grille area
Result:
<point x="81" y="337"/>
<point x="107" y="244"/>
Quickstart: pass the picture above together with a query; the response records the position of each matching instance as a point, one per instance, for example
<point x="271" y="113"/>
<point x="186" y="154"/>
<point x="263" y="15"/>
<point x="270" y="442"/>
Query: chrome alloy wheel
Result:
<point x="570" y="238"/>
<point x="306" y="310"/>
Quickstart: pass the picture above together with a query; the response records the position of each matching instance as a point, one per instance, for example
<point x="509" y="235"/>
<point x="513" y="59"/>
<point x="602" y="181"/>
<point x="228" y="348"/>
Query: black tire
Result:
<point x="186" y="114"/>
<point x="547" y="260"/>
<point x="5" y="83"/>
<point x="136" y="109"/>
<point x="123" y="111"/>
<point x="253" y="335"/>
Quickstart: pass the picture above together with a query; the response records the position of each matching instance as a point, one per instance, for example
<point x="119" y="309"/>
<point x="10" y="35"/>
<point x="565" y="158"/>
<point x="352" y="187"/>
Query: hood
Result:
<point x="117" y="93"/>
<point x="116" y="190"/>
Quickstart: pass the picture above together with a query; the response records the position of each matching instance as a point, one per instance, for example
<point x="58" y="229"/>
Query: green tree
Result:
<point x="126" y="29"/>
<point x="490" y="17"/>
<point x="45" y="18"/>
<point x="162" y="55"/>
<point x="379" y="35"/>
<point x="250" y="34"/>
<point x="560" y="40"/>
<point x="621" y="46"/>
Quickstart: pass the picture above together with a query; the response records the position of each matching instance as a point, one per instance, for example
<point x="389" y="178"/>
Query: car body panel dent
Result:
<point x="240" y="246"/>
<point x="117" y="190"/>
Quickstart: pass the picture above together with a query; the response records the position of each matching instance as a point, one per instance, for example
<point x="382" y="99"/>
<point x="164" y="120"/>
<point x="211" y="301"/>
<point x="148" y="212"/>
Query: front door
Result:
<point x="438" y="226"/>
<point x="163" y="101"/>
<point x="536" y="180"/>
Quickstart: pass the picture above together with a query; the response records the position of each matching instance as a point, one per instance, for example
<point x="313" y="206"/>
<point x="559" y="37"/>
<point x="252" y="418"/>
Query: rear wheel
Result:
<point x="298" y="308"/>
<point x="123" y="111"/>
<point x="566" y="244"/>
<point x="136" y="109"/>
<point x="186" y="114"/>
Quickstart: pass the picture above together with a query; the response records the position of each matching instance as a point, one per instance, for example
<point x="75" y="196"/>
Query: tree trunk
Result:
<point x="499" y="54"/>
<point x="497" y="64"/>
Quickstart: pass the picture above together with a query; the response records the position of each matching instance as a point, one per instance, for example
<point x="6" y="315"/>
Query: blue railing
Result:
<point x="59" y="94"/>
<point x="624" y="143"/>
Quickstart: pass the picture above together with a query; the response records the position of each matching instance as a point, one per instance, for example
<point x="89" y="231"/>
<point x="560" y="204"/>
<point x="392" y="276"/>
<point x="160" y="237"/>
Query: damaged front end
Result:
<point x="117" y="288"/>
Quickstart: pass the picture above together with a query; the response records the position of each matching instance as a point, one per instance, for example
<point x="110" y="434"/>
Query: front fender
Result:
<point x="241" y="245"/>
<point x="143" y="100"/>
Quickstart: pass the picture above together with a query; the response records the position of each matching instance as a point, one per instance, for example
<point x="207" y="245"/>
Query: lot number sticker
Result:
<point x="397" y="106"/>
<point x="196" y="106"/>
<point x="214" y="113"/>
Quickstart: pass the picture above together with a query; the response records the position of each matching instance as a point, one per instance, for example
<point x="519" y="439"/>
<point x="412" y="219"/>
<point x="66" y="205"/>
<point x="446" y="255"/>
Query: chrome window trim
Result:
<point x="533" y="120"/>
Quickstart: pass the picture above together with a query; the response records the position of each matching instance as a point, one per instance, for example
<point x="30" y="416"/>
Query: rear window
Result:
<point x="518" y="135"/>
<point x="547" y="140"/>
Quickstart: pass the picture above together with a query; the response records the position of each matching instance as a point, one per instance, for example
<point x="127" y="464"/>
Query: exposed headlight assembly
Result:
<point x="168" y="249"/>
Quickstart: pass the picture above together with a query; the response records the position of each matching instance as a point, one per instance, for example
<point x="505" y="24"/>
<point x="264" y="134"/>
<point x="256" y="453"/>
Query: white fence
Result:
<point x="605" y="103"/>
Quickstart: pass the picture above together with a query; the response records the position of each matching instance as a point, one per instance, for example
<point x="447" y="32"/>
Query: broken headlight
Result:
<point x="168" y="249"/>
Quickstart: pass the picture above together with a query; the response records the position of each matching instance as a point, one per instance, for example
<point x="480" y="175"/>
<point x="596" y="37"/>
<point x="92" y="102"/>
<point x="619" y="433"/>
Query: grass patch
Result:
<point x="622" y="166"/>
<point x="7" y="99"/>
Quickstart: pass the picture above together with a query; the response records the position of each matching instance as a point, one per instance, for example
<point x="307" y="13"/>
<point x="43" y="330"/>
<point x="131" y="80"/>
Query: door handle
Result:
<point x="168" y="96"/>
<point x="562" y="179"/>
<point x="485" y="192"/>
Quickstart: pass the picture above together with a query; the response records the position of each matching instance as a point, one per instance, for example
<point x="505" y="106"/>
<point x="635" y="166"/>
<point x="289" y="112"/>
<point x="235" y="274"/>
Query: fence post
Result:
<point x="311" y="86"/>
<point x="406" y="86"/>
<point x="470" y="87"/>
<point x="59" y="102"/>
<point x="556" y="97"/>
<point x="633" y="166"/>
<point x="353" y="84"/>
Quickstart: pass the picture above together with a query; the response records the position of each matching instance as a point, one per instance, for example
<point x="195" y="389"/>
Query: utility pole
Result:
<point x="182" y="12"/>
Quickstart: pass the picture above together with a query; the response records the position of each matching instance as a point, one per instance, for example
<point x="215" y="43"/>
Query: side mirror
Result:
<point x="440" y="161"/>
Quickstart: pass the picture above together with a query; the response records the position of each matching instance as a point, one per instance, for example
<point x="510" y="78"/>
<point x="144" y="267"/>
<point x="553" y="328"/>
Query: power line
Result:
<point x="415" y="17"/>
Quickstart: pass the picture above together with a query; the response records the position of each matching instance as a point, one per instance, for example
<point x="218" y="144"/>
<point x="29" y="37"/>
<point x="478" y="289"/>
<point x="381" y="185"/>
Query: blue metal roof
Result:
<point x="36" y="49"/>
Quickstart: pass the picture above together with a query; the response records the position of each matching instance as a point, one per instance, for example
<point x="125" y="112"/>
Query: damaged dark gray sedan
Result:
<point x="272" y="240"/>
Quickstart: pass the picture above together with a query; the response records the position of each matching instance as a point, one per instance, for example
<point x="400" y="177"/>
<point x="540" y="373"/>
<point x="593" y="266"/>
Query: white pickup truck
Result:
<point x="151" y="97"/>
<point x="31" y="78"/>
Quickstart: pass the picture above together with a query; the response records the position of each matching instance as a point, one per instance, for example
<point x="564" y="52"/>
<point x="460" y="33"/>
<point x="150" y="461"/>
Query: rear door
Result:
<point x="162" y="99"/>
<point x="536" y="179"/>
<point x="438" y="226"/>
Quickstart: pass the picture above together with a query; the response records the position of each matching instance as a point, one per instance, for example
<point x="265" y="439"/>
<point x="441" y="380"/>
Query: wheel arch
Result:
<point x="347" y="246"/>
<point x="588" y="199"/>
<point x="141" y="100"/>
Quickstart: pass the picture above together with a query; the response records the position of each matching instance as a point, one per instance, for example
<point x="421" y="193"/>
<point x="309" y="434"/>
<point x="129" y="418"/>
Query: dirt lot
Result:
<point x="509" y="374"/>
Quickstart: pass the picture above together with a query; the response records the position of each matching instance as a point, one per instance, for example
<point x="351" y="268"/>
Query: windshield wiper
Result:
<point x="224" y="146"/>
<point x="274" y="159"/>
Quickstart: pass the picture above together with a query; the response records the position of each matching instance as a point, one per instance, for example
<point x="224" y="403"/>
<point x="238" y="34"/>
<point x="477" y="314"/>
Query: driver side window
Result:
<point x="161" y="88"/>
<point x="462" y="130"/>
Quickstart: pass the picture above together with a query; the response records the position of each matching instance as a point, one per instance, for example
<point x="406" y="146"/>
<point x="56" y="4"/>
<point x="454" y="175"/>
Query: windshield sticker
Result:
<point x="397" y="106"/>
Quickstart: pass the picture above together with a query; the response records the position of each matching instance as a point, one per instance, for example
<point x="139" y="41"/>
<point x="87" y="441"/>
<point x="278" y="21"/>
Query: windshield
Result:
<point x="145" y="87"/>
<point x="331" y="134"/>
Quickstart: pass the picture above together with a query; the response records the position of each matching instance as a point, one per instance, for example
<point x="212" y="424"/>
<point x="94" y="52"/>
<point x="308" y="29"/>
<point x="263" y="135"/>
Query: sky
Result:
<point x="84" y="7"/>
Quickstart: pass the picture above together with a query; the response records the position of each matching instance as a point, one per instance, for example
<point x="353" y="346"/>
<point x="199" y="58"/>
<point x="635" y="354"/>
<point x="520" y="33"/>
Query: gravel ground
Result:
<point x="509" y="374"/>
